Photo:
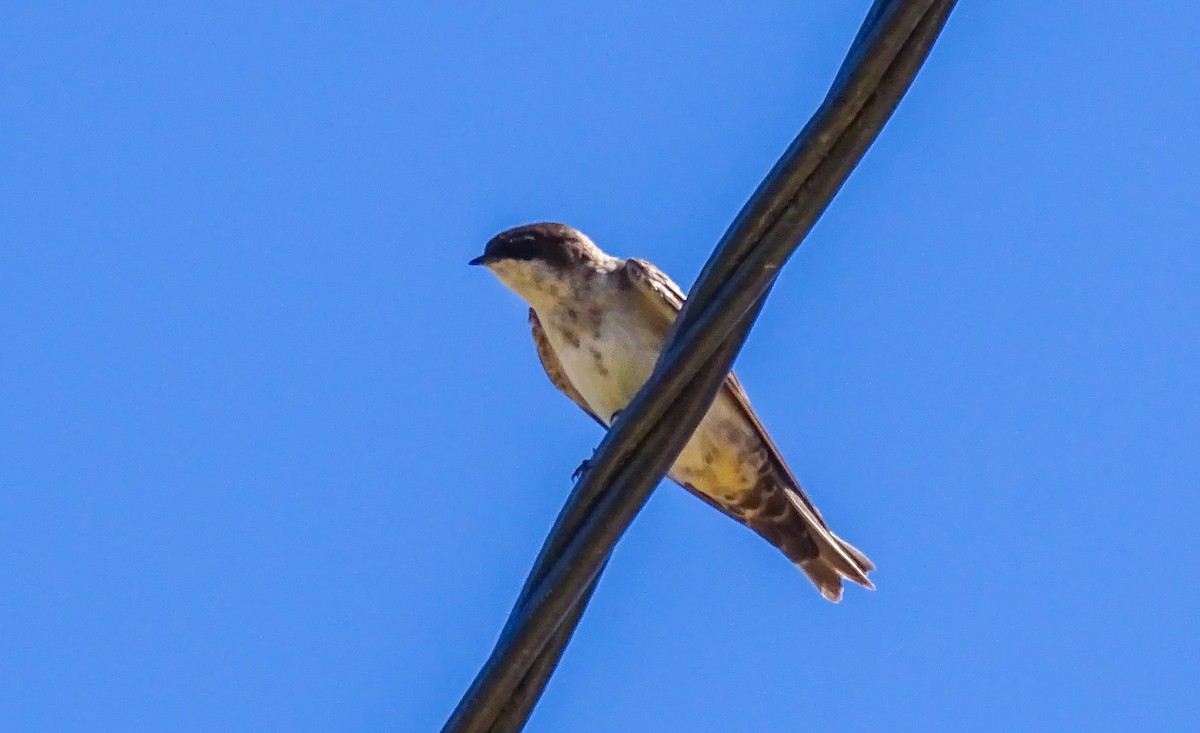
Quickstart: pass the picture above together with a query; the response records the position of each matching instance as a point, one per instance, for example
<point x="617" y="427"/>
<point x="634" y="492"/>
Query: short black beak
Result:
<point x="480" y="260"/>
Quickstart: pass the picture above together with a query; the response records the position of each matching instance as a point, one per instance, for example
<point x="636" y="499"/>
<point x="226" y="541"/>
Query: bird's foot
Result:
<point x="583" y="468"/>
<point x="586" y="465"/>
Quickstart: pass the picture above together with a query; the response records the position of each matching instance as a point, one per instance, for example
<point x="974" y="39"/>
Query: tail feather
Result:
<point x="786" y="522"/>
<point x="793" y="526"/>
<point x="827" y="569"/>
<point x="863" y="562"/>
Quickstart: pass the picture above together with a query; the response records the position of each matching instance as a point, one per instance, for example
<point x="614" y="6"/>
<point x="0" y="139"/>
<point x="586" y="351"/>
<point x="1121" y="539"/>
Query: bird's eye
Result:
<point x="521" y="248"/>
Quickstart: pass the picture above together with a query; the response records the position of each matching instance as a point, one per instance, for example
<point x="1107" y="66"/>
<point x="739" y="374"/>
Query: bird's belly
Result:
<point x="723" y="458"/>
<point x="608" y="367"/>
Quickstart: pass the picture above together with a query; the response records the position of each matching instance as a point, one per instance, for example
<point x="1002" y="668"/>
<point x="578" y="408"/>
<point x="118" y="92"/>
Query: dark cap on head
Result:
<point x="558" y="245"/>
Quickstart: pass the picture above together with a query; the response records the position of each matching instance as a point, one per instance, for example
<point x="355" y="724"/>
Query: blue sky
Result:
<point x="275" y="459"/>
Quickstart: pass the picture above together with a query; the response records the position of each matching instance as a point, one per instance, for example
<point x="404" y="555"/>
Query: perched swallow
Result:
<point x="599" y="323"/>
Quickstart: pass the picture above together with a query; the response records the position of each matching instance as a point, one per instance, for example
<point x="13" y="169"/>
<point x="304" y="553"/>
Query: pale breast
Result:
<point x="609" y="355"/>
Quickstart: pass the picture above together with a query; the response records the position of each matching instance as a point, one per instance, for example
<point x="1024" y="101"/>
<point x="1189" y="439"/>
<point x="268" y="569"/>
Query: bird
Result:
<point x="599" y="324"/>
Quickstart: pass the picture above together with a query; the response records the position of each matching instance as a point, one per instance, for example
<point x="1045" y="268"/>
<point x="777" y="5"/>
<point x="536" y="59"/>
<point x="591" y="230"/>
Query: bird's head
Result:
<point x="542" y="263"/>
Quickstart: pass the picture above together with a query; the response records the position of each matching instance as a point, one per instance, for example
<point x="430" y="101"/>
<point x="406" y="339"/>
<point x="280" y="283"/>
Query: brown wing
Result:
<point x="845" y="558"/>
<point x="554" y="369"/>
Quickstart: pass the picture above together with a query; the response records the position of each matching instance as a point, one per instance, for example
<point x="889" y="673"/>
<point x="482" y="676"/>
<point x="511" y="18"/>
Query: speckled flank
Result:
<point x="595" y="319"/>
<point x="601" y="369"/>
<point x="606" y="359"/>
